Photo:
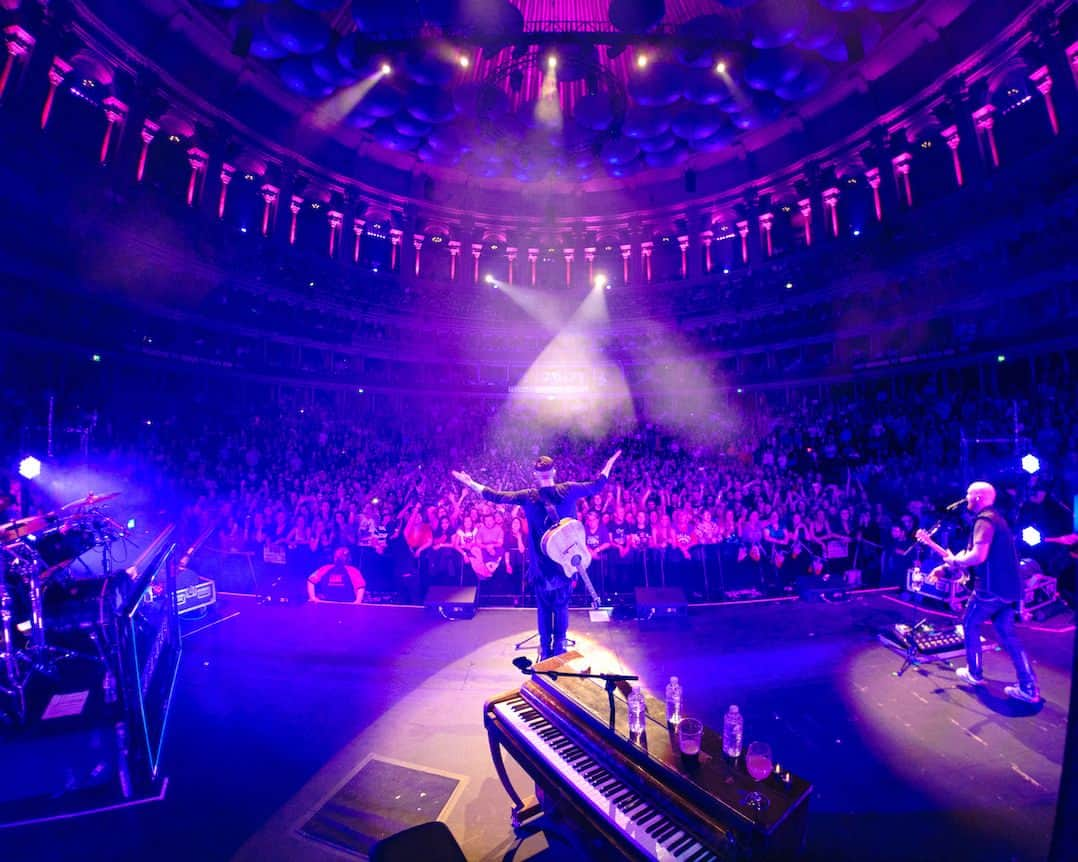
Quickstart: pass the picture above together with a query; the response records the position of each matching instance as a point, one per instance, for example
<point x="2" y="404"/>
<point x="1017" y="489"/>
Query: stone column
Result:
<point x="294" y="207"/>
<point x="533" y="259"/>
<point x="148" y="133"/>
<point x="646" y="249"/>
<point x="986" y="122"/>
<point x="454" y="258"/>
<point x="19" y="43"/>
<point x="511" y="255"/>
<point x="830" y="205"/>
<point x="336" y="220"/>
<point x="395" y="236"/>
<point x="683" y="244"/>
<point x="953" y="139"/>
<point x="357" y="231"/>
<point x="57" y="73"/>
<point x="477" y="250"/>
<point x="901" y="164"/>
<point x="872" y="177"/>
<point x="270" y="196"/>
<point x="767" y="221"/>
<point x="1042" y="80"/>
<point x="626" y="252"/>
<point x="115" y="112"/>
<point x="805" y="207"/>
<point x="227" y="172"/>
<point x="706" y="238"/>
<point x="569" y="254"/>
<point x="589" y="256"/>
<point x="743" y="232"/>
<point x="198" y="160"/>
<point x="417" y="244"/>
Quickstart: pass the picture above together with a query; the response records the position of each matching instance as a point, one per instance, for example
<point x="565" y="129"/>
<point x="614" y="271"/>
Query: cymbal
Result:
<point x="89" y="500"/>
<point x="14" y="530"/>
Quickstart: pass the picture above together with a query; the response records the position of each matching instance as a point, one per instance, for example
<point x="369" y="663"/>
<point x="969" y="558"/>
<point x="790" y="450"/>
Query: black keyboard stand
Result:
<point x="912" y="659"/>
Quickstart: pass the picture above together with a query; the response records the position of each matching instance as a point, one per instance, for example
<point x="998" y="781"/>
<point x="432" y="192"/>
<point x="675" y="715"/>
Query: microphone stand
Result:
<point x="611" y="680"/>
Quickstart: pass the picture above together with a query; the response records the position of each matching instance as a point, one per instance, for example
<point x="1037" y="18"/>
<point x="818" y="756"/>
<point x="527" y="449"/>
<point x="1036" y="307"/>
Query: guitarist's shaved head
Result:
<point x="979" y="495"/>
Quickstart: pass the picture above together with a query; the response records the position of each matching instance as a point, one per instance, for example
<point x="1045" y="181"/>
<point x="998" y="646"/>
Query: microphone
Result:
<point x="956" y="504"/>
<point x="523" y="663"/>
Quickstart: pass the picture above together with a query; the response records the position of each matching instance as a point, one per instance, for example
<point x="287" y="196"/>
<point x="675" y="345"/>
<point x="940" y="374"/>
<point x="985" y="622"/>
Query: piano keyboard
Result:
<point x="647" y="828"/>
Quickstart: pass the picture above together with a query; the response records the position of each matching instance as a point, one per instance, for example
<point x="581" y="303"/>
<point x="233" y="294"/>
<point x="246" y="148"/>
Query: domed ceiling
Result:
<point x="535" y="90"/>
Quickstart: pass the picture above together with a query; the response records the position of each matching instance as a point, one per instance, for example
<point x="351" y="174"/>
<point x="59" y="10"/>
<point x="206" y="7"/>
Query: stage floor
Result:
<point x="277" y="706"/>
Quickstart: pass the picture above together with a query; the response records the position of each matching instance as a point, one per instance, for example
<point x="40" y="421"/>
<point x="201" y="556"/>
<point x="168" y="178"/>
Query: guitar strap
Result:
<point x="551" y="512"/>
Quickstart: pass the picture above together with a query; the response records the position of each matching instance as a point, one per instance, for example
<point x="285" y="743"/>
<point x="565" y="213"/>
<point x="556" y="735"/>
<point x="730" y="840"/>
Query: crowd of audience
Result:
<point x="832" y="487"/>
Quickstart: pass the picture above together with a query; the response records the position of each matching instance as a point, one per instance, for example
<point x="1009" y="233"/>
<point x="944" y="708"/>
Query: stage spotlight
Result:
<point x="464" y="61"/>
<point x="552" y="62"/>
<point x="641" y="61"/>
<point x="29" y="467"/>
<point x="789" y="285"/>
<point x="721" y="67"/>
<point x="1031" y="536"/>
<point x="726" y="270"/>
<point x="488" y="278"/>
<point x="856" y="232"/>
<point x="1031" y="463"/>
<point x="386" y="69"/>
<point x="601" y="282"/>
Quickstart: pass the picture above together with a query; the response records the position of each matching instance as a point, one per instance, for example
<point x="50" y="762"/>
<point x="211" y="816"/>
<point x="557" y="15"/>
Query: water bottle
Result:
<point x="638" y="709"/>
<point x="733" y="728"/>
<point x="673" y="702"/>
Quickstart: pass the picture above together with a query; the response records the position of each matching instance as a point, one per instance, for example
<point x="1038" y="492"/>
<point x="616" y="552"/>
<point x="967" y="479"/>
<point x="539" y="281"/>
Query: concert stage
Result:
<point x="279" y="707"/>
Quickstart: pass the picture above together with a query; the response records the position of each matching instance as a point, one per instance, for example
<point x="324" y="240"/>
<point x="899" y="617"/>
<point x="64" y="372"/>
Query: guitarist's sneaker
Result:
<point x="1019" y="693"/>
<point x="964" y="674"/>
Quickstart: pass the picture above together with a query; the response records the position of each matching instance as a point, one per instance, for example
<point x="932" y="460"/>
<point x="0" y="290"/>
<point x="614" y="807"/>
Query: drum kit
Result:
<point x="37" y="554"/>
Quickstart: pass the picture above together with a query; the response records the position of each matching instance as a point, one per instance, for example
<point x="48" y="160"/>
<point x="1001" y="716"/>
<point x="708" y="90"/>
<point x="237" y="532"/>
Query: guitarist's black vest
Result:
<point x="998" y="575"/>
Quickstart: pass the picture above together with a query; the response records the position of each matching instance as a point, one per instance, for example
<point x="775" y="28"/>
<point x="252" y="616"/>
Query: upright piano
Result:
<point x="640" y="795"/>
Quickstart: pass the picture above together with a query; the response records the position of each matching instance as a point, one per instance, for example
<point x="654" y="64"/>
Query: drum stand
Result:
<point x="14" y="683"/>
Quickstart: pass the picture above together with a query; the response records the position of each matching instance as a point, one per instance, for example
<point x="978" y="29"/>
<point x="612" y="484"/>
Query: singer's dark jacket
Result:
<point x="543" y="572"/>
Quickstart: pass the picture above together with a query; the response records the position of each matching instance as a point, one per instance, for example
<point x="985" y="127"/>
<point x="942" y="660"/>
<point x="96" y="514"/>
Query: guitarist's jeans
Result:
<point x="553" y="605"/>
<point x="1001" y="613"/>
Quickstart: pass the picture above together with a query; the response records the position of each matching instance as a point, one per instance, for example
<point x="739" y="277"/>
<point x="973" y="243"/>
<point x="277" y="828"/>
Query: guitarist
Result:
<point x="997" y="589"/>
<point x="544" y="505"/>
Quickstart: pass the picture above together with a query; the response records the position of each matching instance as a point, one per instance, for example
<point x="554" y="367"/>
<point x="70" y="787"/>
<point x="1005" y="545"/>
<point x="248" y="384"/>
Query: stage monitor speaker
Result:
<point x="429" y="841"/>
<point x="654" y="603"/>
<point x="452" y="603"/>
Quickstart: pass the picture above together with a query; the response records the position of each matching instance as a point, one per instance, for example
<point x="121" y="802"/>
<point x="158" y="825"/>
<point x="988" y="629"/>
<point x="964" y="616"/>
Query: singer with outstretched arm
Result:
<point x="543" y="506"/>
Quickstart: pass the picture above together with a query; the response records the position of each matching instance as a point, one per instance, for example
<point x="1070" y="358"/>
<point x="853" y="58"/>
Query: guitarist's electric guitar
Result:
<point x="925" y="538"/>
<point x="566" y="544"/>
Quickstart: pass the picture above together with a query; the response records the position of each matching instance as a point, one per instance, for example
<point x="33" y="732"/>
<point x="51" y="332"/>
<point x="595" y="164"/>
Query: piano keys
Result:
<point x="641" y="796"/>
